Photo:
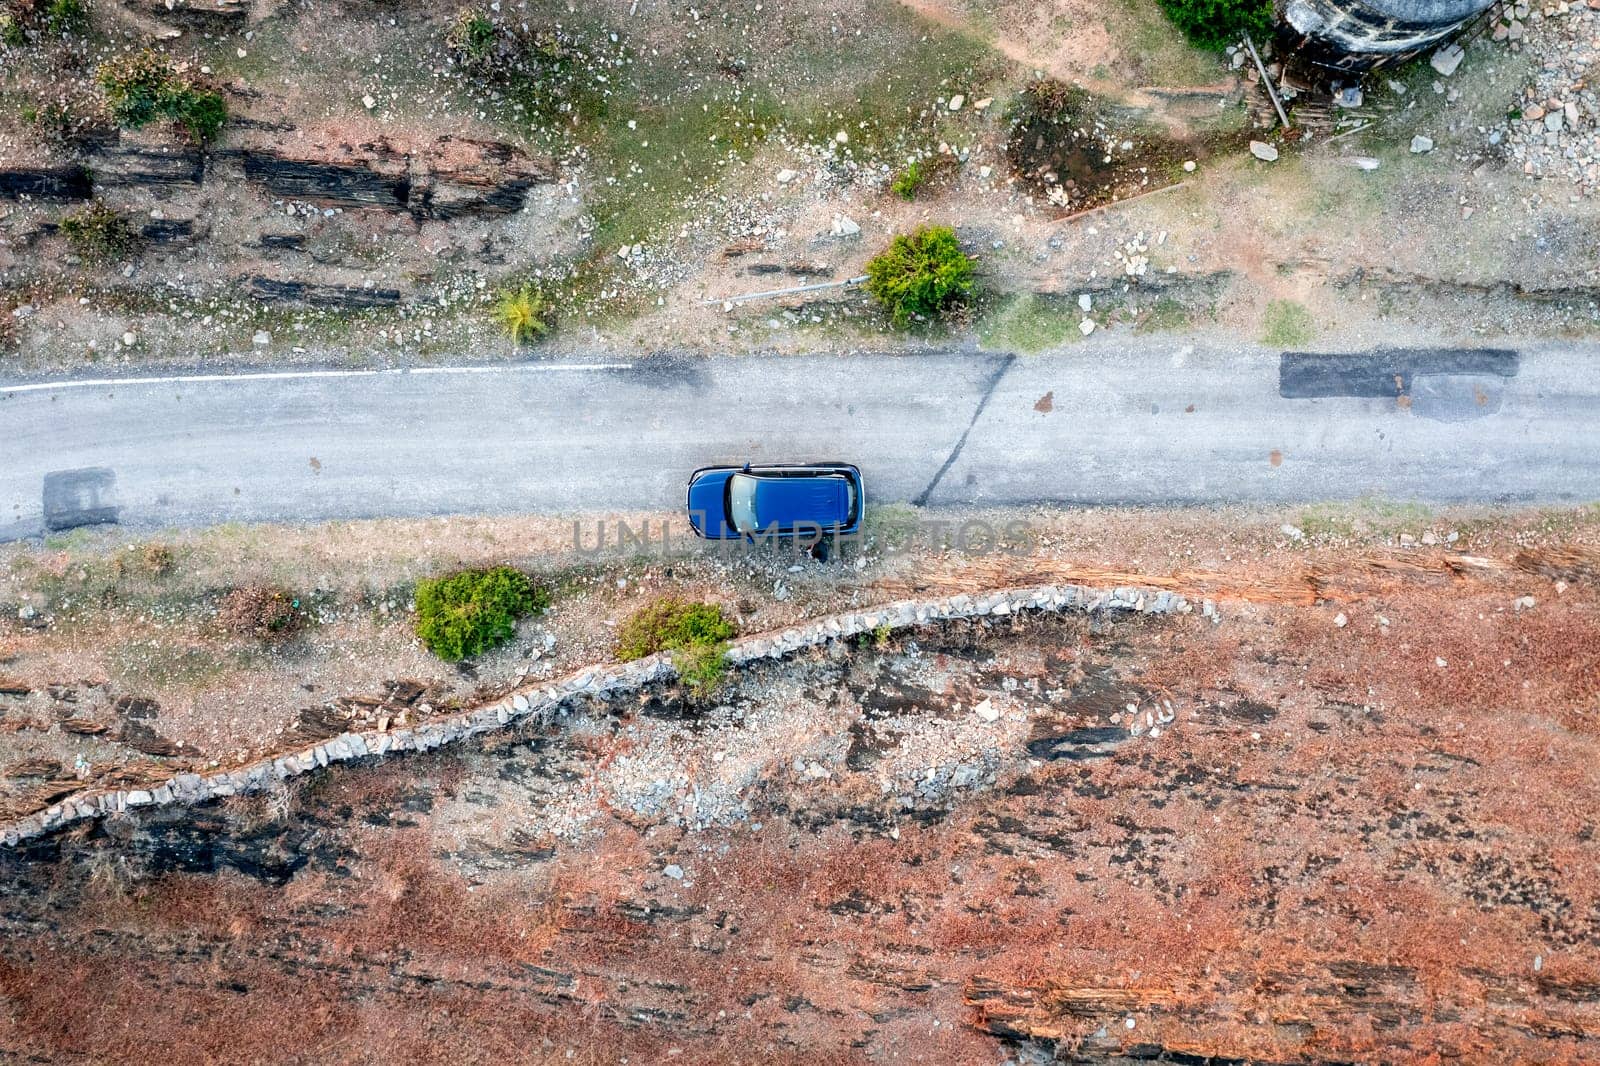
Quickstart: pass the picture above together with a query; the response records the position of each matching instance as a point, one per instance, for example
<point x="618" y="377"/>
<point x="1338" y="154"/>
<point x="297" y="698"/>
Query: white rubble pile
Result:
<point x="1554" y="133"/>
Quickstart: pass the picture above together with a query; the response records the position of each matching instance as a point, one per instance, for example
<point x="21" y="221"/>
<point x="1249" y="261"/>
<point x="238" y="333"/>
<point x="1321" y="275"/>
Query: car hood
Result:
<point x="708" y="511"/>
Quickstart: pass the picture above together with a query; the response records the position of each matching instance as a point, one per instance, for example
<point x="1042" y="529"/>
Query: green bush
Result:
<point x="466" y="613"/>
<point x="922" y="275"/>
<point x="695" y="633"/>
<point x="524" y="313"/>
<point x="1218" y="23"/>
<point x="143" y="87"/>
<point x="98" y="234"/>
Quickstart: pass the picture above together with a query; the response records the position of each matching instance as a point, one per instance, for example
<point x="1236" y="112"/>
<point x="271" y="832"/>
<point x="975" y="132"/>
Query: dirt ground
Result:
<point x="1350" y="826"/>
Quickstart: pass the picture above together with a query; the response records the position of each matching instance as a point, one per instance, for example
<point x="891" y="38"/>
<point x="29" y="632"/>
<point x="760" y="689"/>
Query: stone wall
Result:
<point x="544" y="700"/>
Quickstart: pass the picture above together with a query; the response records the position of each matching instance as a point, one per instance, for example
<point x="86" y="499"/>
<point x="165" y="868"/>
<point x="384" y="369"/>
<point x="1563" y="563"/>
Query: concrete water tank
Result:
<point x="1360" y="34"/>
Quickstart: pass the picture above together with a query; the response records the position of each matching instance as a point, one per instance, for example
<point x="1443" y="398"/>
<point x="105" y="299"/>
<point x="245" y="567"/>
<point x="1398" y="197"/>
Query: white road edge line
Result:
<point x="281" y="375"/>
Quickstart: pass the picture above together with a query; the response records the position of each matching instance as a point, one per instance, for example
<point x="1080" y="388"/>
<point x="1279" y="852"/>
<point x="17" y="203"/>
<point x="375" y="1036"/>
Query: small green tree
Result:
<point x="923" y="274"/>
<point x="1215" y="24"/>
<point x="468" y="612"/>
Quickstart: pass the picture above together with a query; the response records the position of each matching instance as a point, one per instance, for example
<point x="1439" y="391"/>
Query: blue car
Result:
<point x="811" y="500"/>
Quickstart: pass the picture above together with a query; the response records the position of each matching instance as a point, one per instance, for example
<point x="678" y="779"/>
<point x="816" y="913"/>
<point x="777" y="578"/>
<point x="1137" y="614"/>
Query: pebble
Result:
<point x="1086" y="327"/>
<point x="986" y="711"/>
<point x="261" y="339"/>
<point x="130" y="339"/>
<point x="785" y="176"/>
<point x="956" y="101"/>
<point x="1340" y="620"/>
<point x="1421" y="144"/>
<point x="1263" y="151"/>
<point x="674" y="871"/>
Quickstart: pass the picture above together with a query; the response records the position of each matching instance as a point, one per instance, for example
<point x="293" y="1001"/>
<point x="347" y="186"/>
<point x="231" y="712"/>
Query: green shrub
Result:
<point x="11" y="30"/>
<point x="922" y="275"/>
<point x="468" y="612"/>
<point x="524" y="313"/>
<point x="472" y="37"/>
<point x="695" y="633"/>
<point x="98" y="234"/>
<point x="143" y="87"/>
<point x="1219" y="23"/>
<point x="908" y="181"/>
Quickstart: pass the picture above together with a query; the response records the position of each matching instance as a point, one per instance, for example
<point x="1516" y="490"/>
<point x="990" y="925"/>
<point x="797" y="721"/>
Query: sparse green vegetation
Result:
<point x="98" y="233"/>
<point x="695" y="633"/>
<point x="471" y="611"/>
<point x="1218" y="23"/>
<point x="62" y="17"/>
<point x="142" y="87"/>
<point x="472" y="38"/>
<point x="1030" y="323"/>
<point x="524" y="313"/>
<point x="1286" y="324"/>
<point x="921" y="275"/>
<point x="22" y="19"/>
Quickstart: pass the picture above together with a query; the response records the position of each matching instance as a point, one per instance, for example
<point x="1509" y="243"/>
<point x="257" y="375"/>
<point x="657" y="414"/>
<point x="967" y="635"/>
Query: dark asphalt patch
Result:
<point x="82" y="497"/>
<point x="1385" y="374"/>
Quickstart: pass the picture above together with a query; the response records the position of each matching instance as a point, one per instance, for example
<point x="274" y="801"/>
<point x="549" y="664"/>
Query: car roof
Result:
<point x="784" y="501"/>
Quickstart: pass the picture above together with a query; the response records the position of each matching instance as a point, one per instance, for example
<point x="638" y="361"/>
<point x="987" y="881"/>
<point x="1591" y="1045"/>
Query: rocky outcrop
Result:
<point x="341" y="297"/>
<point x="149" y="164"/>
<point x="216" y="16"/>
<point x="549" y="699"/>
<point x="451" y="177"/>
<point x="46" y="183"/>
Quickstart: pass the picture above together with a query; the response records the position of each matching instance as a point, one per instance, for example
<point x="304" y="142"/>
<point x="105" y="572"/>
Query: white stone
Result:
<point x="261" y="339"/>
<point x="674" y="871"/>
<point x="1447" y="59"/>
<point x="956" y="101"/>
<point x="368" y="102"/>
<point x="986" y="711"/>
<point x="1340" y="620"/>
<point x="1263" y="151"/>
<point x="785" y="176"/>
<point x="1421" y="144"/>
<point x="130" y="338"/>
<point x="845" y="226"/>
<point x="1085" y="302"/>
<point x="1086" y="327"/>
<point x="1188" y="166"/>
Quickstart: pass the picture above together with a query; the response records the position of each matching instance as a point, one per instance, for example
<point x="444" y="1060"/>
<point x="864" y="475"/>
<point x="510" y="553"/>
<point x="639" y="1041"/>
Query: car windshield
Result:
<point x="742" y="502"/>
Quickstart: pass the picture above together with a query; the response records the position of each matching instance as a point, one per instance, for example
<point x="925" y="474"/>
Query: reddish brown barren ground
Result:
<point x="1338" y="850"/>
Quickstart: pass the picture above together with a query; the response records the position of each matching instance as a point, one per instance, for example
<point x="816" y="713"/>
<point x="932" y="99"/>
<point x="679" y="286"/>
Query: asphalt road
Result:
<point x="1123" y="420"/>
